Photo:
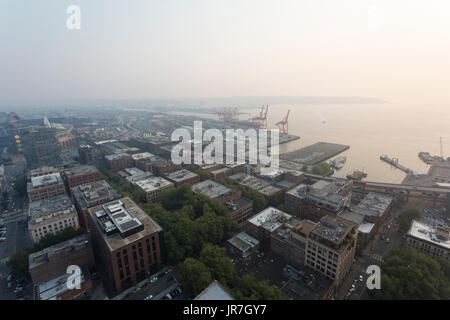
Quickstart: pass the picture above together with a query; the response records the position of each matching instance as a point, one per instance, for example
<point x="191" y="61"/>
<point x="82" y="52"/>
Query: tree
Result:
<point x="409" y="274"/>
<point x="18" y="262"/>
<point x="250" y="288"/>
<point x="194" y="275"/>
<point x="406" y="217"/>
<point x="21" y="186"/>
<point x="321" y="168"/>
<point x="220" y="266"/>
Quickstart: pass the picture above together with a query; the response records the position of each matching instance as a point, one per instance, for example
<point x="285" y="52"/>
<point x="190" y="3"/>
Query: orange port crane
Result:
<point x="283" y="124"/>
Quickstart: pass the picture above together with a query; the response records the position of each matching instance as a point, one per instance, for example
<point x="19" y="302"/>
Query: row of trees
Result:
<point x="18" y="262"/>
<point x="409" y="274"/>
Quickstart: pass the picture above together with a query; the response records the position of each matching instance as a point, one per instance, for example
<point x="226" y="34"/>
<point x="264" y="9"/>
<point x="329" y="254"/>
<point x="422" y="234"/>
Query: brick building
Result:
<point x="126" y="243"/>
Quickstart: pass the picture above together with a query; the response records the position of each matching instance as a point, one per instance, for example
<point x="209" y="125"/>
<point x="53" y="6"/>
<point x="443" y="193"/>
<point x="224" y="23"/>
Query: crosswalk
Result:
<point x="376" y="257"/>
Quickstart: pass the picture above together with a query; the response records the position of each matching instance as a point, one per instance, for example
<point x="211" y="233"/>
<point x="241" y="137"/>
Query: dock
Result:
<point x="394" y="162"/>
<point x="315" y="153"/>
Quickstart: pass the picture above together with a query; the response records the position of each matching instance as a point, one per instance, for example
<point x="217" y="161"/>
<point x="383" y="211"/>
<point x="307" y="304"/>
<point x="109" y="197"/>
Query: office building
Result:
<point x="433" y="240"/>
<point x="91" y="194"/>
<point x="50" y="216"/>
<point x="126" y="243"/>
<point x="331" y="247"/>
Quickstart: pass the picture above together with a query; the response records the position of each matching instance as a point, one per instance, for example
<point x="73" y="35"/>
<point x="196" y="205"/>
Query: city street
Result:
<point x="386" y="239"/>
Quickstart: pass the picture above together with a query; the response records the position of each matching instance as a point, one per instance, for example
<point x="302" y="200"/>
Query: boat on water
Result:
<point x="338" y="163"/>
<point x="357" y="175"/>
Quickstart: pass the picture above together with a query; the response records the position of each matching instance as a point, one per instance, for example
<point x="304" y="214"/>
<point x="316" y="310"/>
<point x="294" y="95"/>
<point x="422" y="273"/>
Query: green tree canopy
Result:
<point x="194" y="275"/>
<point x="406" y="217"/>
<point x="409" y="274"/>
<point x="321" y="168"/>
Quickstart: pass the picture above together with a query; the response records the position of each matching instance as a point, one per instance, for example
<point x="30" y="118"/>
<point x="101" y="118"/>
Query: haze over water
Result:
<point x="397" y="130"/>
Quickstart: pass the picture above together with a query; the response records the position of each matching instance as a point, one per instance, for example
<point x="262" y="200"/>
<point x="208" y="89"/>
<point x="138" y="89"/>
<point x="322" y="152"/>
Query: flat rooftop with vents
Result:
<point x="181" y="175"/>
<point x="270" y="219"/>
<point x="374" y="204"/>
<point x="44" y="180"/>
<point x="332" y="229"/>
<point x="121" y="222"/>
<point x="212" y="189"/>
<point x="438" y="235"/>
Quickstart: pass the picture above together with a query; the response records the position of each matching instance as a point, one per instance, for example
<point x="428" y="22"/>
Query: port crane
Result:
<point x="283" y="124"/>
<point x="229" y="114"/>
<point x="261" y="120"/>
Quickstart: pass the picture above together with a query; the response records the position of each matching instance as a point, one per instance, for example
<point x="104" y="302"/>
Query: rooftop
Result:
<point x="374" y="204"/>
<point x="322" y="193"/>
<point x="50" y="290"/>
<point x="117" y="156"/>
<point x="42" y="171"/>
<point x="243" y="241"/>
<point x="122" y="222"/>
<point x="40" y="257"/>
<point x="332" y="229"/>
<point x="212" y="189"/>
<point x="181" y="175"/>
<point x="270" y="191"/>
<point x="238" y="203"/>
<point x="79" y="170"/>
<point x="53" y="206"/>
<point x="91" y="193"/>
<point x="143" y="156"/>
<point x="44" y="180"/>
<point x="365" y="227"/>
<point x="152" y="183"/>
<point x="270" y="219"/>
<point x="254" y="183"/>
<point x="438" y="235"/>
<point x="352" y="216"/>
<point x="133" y="171"/>
<point x="214" y="292"/>
<point x="139" y="177"/>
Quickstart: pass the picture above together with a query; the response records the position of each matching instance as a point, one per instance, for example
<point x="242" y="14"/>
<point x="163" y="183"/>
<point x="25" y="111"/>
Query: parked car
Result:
<point x="3" y="239"/>
<point x="170" y="278"/>
<point x="169" y="296"/>
<point x="153" y="280"/>
<point x="148" y="297"/>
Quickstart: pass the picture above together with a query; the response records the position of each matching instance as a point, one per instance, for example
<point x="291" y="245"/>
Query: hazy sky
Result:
<point x="395" y="50"/>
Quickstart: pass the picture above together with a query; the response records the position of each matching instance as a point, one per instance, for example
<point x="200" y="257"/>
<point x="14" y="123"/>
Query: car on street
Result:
<point x="361" y="278"/>
<point x="153" y="280"/>
<point x="148" y="297"/>
<point x="3" y="239"/>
